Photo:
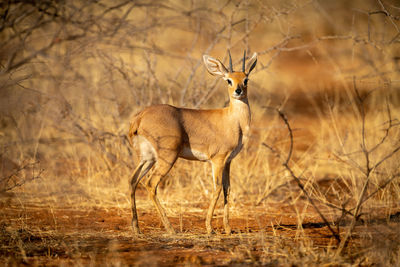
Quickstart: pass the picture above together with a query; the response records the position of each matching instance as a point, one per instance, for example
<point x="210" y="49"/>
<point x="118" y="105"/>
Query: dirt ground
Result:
<point x="60" y="235"/>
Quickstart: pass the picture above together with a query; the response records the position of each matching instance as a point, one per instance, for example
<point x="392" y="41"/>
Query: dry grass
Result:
<point x="72" y="75"/>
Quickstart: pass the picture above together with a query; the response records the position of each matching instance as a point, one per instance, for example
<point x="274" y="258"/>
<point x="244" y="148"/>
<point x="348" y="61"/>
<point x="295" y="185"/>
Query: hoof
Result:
<point x="137" y="234"/>
<point x="171" y="231"/>
<point x="228" y="231"/>
<point x="211" y="232"/>
<point x="136" y="231"/>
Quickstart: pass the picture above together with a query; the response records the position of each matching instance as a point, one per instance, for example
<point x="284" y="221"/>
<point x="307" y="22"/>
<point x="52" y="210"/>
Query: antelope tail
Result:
<point x="133" y="128"/>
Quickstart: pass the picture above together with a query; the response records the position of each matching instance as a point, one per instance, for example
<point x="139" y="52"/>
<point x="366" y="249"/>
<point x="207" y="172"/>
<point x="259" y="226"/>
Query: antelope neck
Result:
<point x="240" y="110"/>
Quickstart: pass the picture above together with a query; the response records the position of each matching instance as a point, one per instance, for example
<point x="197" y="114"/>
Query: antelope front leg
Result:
<point x="210" y="212"/>
<point x="218" y="168"/>
<point x="227" y="187"/>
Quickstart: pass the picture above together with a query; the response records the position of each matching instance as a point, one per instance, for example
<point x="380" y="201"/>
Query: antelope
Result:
<point x="162" y="133"/>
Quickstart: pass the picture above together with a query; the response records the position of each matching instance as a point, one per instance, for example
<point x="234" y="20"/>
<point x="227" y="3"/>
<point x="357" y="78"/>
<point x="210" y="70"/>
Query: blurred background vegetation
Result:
<point x="72" y="73"/>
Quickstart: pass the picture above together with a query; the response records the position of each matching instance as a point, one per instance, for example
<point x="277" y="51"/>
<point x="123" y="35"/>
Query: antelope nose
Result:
<point x="238" y="91"/>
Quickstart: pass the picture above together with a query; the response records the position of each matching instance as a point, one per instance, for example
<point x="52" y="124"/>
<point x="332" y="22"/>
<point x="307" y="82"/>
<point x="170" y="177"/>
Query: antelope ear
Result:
<point x="214" y="66"/>
<point x="251" y="64"/>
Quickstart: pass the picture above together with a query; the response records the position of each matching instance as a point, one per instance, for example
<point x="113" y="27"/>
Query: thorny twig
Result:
<point x="14" y="180"/>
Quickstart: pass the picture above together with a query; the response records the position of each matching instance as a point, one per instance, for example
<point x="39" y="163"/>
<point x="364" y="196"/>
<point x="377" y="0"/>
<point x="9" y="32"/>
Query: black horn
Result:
<point x="244" y="61"/>
<point x="230" y="61"/>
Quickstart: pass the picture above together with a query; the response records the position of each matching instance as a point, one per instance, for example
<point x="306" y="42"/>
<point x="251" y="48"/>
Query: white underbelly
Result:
<point x="192" y="154"/>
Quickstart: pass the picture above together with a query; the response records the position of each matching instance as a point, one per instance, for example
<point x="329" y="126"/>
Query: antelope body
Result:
<point x="162" y="133"/>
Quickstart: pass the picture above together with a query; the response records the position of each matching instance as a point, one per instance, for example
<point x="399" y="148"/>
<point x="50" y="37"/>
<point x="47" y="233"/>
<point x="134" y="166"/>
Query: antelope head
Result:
<point x="237" y="80"/>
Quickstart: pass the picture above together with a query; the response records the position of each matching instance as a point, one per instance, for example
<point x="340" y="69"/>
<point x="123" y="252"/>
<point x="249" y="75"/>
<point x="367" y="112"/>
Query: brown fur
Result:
<point x="162" y="133"/>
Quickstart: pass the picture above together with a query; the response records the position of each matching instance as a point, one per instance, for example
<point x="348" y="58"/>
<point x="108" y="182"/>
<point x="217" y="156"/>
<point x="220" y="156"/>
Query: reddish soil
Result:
<point x="55" y="235"/>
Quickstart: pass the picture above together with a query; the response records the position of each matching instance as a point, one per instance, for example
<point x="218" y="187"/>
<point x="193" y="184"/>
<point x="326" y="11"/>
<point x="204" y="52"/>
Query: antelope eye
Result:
<point x="229" y="82"/>
<point x="245" y="81"/>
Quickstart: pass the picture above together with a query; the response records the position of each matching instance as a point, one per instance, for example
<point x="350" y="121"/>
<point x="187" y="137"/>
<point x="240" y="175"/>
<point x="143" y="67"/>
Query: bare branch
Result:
<point x="297" y="179"/>
<point x="14" y="180"/>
